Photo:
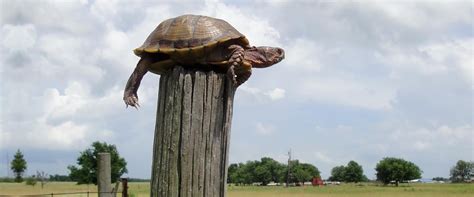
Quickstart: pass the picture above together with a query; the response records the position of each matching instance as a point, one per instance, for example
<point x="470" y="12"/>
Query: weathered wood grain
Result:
<point x="158" y="139"/>
<point x="191" y="145"/>
<point x="208" y="112"/>
<point x="216" y="138"/>
<point x="175" y="134"/>
<point x="229" y="97"/>
<point x="187" y="141"/>
<point x="167" y="125"/>
<point x="196" y="129"/>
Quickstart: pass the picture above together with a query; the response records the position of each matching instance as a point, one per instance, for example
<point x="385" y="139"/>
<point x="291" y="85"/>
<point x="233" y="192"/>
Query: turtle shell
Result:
<point x="190" y="35"/>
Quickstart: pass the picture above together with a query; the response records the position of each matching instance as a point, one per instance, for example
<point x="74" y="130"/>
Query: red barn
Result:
<point x="317" y="181"/>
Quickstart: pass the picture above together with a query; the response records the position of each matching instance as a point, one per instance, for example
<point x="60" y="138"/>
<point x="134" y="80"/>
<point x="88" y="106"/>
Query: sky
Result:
<point x="362" y="80"/>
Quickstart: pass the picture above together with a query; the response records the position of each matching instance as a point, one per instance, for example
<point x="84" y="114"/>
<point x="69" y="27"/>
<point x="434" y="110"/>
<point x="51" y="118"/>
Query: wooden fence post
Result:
<point x="191" y="143"/>
<point x="124" y="187"/>
<point x="104" y="175"/>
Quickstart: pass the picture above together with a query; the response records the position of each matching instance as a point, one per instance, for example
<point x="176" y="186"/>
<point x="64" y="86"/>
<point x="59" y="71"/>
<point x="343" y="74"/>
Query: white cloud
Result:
<point x="265" y="129"/>
<point x="348" y="92"/>
<point x="430" y="139"/>
<point x="258" y="30"/>
<point x="44" y="136"/>
<point x="18" y="38"/>
<point x="262" y="96"/>
<point x="305" y="55"/>
<point x="420" y="145"/>
<point x="455" y="54"/>
<point x="104" y="10"/>
<point x="4" y="138"/>
<point x="321" y="157"/>
<point x="276" y="94"/>
<point x="455" y="135"/>
<point x="75" y="96"/>
<point x="415" y="13"/>
<point x="430" y="59"/>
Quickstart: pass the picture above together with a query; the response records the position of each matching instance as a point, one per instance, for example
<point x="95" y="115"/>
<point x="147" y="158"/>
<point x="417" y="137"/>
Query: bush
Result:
<point x="31" y="181"/>
<point x="6" y="180"/>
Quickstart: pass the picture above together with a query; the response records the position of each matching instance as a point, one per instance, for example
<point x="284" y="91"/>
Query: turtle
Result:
<point x="201" y="42"/>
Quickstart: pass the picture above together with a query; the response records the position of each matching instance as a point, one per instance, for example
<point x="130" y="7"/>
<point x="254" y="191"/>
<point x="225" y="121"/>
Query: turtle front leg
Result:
<point x="243" y="73"/>
<point x="130" y="96"/>
<point x="236" y="63"/>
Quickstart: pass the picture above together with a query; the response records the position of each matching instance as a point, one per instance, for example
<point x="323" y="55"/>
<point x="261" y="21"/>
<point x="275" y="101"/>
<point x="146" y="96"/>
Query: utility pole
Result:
<point x="289" y="169"/>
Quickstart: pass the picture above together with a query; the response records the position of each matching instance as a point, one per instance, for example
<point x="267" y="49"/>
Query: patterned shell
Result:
<point x="190" y="32"/>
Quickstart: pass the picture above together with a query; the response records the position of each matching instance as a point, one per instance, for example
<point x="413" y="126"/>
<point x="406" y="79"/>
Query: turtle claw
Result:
<point x="131" y="100"/>
<point x="235" y="62"/>
<point x="231" y="75"/>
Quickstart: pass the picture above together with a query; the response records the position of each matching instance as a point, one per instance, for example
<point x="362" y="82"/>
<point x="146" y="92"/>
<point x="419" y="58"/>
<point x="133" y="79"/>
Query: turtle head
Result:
<point x="263" y="56"/>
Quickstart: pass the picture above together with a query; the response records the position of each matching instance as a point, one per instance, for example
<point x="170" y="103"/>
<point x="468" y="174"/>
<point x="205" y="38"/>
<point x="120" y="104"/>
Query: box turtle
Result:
<point x="200" y="42"/>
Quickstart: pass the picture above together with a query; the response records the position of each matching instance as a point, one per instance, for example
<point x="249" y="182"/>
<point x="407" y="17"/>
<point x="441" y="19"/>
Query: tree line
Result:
<point x="263" y="171"/>
<point x="268" y="170"/>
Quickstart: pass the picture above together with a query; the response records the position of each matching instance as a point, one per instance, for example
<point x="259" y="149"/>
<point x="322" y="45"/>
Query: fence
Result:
<point x="114" y="192"/>
<point x="64" y="193"/>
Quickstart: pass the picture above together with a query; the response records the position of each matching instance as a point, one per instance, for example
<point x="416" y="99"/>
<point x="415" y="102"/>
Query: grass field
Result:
<point x="142" y="189"/>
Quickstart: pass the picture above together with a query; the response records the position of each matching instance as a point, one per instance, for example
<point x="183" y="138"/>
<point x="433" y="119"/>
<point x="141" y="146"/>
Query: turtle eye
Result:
<point x="281" y="52"/>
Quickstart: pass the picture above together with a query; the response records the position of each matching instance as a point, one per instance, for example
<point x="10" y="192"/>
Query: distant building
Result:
<point x="317" y="181"/>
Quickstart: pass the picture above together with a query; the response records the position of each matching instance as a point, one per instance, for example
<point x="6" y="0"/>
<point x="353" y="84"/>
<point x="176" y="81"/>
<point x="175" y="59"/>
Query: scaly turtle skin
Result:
<point x="201" y="42"/>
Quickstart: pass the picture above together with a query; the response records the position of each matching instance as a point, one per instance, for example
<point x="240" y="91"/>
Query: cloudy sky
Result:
<point x="362" y="80"/>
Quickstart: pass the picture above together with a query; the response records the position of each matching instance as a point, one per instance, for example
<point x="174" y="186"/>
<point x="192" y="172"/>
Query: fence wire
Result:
<point x="88" y="194"/>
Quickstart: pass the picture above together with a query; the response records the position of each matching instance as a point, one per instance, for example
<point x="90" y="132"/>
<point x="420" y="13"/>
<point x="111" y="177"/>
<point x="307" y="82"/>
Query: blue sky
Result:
<point x="362" y="80"/>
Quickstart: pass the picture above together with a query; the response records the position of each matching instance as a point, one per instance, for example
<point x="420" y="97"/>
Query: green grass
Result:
<point x="353" y="190"/>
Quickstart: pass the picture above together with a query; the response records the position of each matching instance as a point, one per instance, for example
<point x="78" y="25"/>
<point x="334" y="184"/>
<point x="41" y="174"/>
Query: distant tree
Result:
<point x="268" y="170"/>
<point x="439" y="179"/>
<point x="337" y="174"/>
<point x="248" y="174"/>
<point x="235" y="176"/>
<point x="41" y="176"/>
<point x="462" y="171"/>
<point x="60" y="178"/>
<point x="231" y="173"/>
<point x="397" y="170"/>
<point x="87" y="172"/>
<point x="18" y="166"/>
<point x="243" y="173"/>
<point x="262" y="174"/>
<point x="353" y="172"/>
<point x="301" y="172"/>
<point x="365" y="179"/>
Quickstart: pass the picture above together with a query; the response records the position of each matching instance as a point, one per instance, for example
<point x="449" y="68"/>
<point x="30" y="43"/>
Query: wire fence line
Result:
<point x="61" y="194"/>
<point x="114" y="192"/>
